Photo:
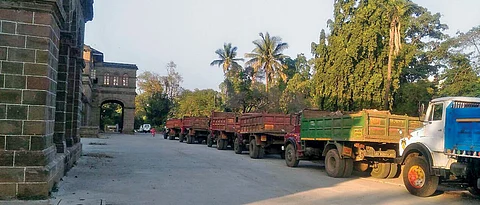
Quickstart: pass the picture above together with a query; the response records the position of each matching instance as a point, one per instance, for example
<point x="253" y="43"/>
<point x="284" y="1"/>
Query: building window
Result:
<point x="115" y="80"/>
<point x="106" y="79"/>
<point x="125" y="80"/>
<point x="94" y="74"/>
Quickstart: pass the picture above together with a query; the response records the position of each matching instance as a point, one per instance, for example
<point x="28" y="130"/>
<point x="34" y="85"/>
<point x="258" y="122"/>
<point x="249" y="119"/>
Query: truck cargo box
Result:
<point x="223" y="121"/>
<point x="197" y="123"/>
<point x="363" y="126"/>
<point x="174" y="123"/>
<point x="274" y="124"/>
<point x="462" y="129"/>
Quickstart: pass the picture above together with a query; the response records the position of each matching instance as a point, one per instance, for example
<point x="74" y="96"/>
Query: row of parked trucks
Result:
<point x="442" y="147"/>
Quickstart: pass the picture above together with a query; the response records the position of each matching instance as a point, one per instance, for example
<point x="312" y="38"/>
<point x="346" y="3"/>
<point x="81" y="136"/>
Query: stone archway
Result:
<point x="112" y="114"/>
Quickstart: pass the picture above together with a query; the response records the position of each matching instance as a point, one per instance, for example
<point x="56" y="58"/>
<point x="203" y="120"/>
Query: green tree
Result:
<point x="227" y="58"/>
<point x="197" y="103"/>
<point x="460" y="79"/>
<point x="267" y="57"/>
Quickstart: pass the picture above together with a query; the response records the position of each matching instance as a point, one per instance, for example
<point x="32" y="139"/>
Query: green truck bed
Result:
<point x="363" y="126"/>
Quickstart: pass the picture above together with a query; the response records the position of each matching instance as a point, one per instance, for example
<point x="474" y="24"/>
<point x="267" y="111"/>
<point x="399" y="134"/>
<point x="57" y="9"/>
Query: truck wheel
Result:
<point x="237" y="148"/>
<point x="474" y="190"/>
<point x="189" y="139"/>
<point x="381" y="170"/>
<point x="220" y="144"/>
<point x="348" y="168"/>
<point x="261" y="152"/>
<point x="291" y="156"/>
<point x="334" y="166"/>
<point x="171" y="137"/>
<point x="394" y="171"/>
<point x="181" y="138"/>
<point x="209" y="141"/>
<point x="361" y="166"/>
<point x="253" y="149"/>
<point x="165" y="136"/>
<point x="417" y="177"/>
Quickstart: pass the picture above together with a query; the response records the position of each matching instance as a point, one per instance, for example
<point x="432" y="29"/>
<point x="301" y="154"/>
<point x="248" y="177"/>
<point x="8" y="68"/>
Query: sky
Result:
<point x="151" y="33"/>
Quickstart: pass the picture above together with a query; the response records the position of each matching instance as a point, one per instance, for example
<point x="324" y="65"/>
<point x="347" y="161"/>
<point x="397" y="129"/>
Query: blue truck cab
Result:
<point x="446" y="149"/>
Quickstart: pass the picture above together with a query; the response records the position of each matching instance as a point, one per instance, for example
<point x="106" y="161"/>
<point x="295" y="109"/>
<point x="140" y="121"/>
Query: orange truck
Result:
<point x="222" y="129"/>
<point x="174" y="128"/>
<point x="194" y="129"/>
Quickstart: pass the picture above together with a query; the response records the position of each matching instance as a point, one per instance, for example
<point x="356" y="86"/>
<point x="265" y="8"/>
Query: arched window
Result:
<point x="125" y="80"/>
<point x="106" y="79"/>
<point x="115" y="80"/>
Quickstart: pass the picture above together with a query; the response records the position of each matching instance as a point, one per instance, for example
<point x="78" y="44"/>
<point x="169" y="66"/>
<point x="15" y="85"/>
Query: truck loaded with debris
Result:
<point x="174" y="128"/>
<point x="194" y="129"/>
<point x="222" y="129"/>
<point x="367" y="140"/>
<point x="262" y="133"/>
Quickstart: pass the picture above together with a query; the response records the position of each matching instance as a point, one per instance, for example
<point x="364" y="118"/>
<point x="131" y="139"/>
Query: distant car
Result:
<point x="145" y="128"/>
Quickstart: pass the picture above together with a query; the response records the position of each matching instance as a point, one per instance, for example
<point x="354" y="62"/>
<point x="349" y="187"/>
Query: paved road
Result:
<point x="144" y="170"/>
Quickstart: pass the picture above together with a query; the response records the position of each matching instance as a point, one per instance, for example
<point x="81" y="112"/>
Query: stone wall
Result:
<point x="35" y="62"/>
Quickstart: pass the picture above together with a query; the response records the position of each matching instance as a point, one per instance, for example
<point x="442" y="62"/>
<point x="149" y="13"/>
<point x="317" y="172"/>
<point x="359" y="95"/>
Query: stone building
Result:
<point x="107" y="82"/>
<point x="41" y="62"/>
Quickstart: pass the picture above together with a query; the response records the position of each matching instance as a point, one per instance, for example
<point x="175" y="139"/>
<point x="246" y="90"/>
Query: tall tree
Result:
<point x="267" y="56"/>
<point x="171" y="82"/>
<point x="227" y="58"/>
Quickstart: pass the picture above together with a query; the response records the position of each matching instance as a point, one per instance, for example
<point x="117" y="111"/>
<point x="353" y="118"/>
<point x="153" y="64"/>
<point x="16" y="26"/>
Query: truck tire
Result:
<point x="221" y="144"/>
<point x="361" y="166"/>
<point x="237" y="148"/>
<point x="165" y="136"/>
<point x="417" y="177"/>
<point x="253" y="149"/>
<point x="189" y="139"/>
<point x="334" y="165"/>
<point x="381" y="170"/>
<point x="394" y="171"/>
<point x="474" y="190"/>
<point x="348" y="168"/>
<point x="170" y="137"/>
<point x="181" y="138"/>
<point x="261" y="152"/>
<point x="209" y="140"/>
<point x="291" y="156"/>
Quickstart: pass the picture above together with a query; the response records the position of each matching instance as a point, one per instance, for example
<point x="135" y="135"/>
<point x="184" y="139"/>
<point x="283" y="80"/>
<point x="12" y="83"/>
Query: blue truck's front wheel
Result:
<point x="417" y="177"/>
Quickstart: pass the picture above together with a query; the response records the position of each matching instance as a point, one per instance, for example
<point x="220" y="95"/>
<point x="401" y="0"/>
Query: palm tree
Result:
<point x="227" y="58"/>
<point x="267" y="57"/>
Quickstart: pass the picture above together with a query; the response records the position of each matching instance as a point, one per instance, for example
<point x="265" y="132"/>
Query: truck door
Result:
<point x="434" y="130"/>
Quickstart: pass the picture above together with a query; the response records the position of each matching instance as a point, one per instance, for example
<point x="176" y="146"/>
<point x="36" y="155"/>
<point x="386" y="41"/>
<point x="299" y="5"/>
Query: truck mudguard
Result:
<point x="419" y="148"/>
<point x="336" y="144"/>
<point x="291" y="140"/>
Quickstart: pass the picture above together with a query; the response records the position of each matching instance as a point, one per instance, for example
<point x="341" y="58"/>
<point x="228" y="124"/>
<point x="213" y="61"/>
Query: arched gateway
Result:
<point x="109" y="82"/>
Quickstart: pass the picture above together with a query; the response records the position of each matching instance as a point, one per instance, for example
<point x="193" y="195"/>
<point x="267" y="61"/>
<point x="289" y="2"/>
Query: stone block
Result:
<point x="2" y="81"/>
<point x="10" y="96"/>
<point x="30" y="158"/>
<point x="12" y="68"/>
<point x="42" y="57"/>
<point x="43" y="18"/>
<point x="3" y="113"/>
<point x="35" y="127"/>
<point x="38" y="83"/>
<point x="8" y="27"/>
<point x="38" y="43"/>
<point x="37" y="113"/>
<point x="16" y="15"/>
<point x="34" y="30"/>
<point x="36" y="69"/>
<point x="18" y="142"/>
<point x="21" y="55"/>
<point x="3" y="53"/>
<point x="6" y="158"/>
<point x="15" y="81"/>
<point x="7" y="191"/>
<point x="31" y="97"/>
<point x="38" y="143"/>
<point x="11" y="174"/>
<point x="36" y="175"/>
<point x="10" y="127"/>
<point x="12" y="40"/>
<point x="17" y="112"/>
<point x="33" y="191"/>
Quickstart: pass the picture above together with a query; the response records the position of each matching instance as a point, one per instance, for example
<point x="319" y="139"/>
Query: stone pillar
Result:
<point x="29" y="44"/>
<point x="128" y="119"/>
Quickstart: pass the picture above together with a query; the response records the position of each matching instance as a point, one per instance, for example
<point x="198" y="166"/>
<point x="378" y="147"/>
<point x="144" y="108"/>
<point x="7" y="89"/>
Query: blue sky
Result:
<point x="150" y="33"/>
